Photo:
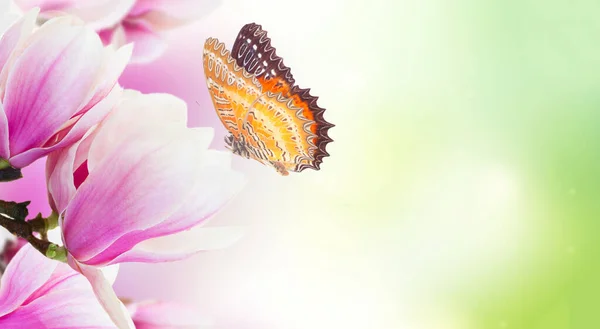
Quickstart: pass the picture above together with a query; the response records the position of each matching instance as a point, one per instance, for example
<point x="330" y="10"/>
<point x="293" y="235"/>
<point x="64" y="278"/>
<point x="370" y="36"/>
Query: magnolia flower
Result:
<point x="56" y="82"/>
<point x="123" y="21"/>
<point x="164" y="315"/>
<point x="36" y="292"/>
<point x="126" y="189"/>
<point x="9" y="246"/>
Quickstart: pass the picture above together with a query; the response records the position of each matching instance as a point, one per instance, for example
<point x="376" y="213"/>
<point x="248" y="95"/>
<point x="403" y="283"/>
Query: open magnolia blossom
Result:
<point x="56" y="82"/>
<point x="36" y="292"/>
<point x="134" y="187"/>
<point x="166" y="315"/>
<point x="128" y="21"/>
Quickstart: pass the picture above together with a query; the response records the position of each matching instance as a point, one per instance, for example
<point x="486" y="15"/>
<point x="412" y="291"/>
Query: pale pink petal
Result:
<point x="181" y="9"/>
<point x="42" y="92"/>
<point x="113" y="65"/>
<point x="133" y="188"/>
<point x="182" y="245"/>
<point x="147" y="45"/>
<point x="110" y="273"/>
<point x="61" y="277"/>
<point x="27" y="272"/>
<point x="45" y="5"/>
<point x="4" y="148"/>
<point x="98" y="14"/>
<point x="214" y="185"/>
<point x="59" y="173"/>
<point x="114" y="36"/>
<point x="51" y="27"/>
<point x="126" y="124"/>
<point x="15" y="34"/>
<point x="18" y="31"/>
<point x="162" y="315"/>
<point x="106" y="295"/>
<point x="65" y="300"/>
<point x="76" y="132"/>
<point x="101" y="14"/>
<point x="62" y="309"/>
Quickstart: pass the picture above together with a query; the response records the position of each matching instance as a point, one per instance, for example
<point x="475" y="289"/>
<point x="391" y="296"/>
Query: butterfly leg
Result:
<point x="280" y="168"/>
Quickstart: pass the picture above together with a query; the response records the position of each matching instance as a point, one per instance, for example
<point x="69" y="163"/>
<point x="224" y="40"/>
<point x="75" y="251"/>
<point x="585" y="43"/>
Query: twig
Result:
<point x="12" y="217"/>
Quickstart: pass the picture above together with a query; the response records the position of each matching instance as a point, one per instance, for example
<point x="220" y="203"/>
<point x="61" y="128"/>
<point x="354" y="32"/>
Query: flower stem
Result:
<point x="44" y="224"/>
<point x="12" y="217"/>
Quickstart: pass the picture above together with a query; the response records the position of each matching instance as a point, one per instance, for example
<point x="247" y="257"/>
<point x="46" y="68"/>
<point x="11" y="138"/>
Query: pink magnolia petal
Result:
<point x="114" y="36"/>
<point x="106" y="295"/>
<point x="98" y="14"/>
<point x="182" y="245"/>
<point x="77" y="131"/>
<point x="64" y="300"/>
<point x="214" y="186"/>
<point x="61" y="169"/>
<point x="181" y="10"/>
<point x="101" y="14"/>
<point x="60" y="310"/>
<point x="61" y="278"/>
<point x="147" y="45"/>
<point x="124" y="124"/>
<point x="113" y="65"/>
<point x="134" y="188"/>
<point x="15" y="34"/>
<point x="161" y="315"/>
<point x="4" y="148"/>
<point x="44" y="5"/>
<point x="51" y="27"/>
<point x="27" y="272"/>
<point x="42" y="92"/>
<point x="59" y="173"/>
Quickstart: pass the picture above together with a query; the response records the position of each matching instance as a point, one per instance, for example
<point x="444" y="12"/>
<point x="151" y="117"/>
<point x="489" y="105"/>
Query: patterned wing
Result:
<point x="270" y="118"/>
<point x="252" y="50"/>
<point x="290" y="140"/>
<point x="231" y="88"/>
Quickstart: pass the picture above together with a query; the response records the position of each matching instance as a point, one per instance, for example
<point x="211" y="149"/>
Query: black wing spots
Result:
<point x="252" y="50"/>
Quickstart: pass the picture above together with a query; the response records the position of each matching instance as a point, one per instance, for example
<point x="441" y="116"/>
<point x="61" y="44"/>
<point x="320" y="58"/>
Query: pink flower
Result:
<point x="55" y="83"/>
<point x="11" y="247"/>
<point x="36" y="292"/>
<point x="123" y="21"/>
<point x="163" y="315"/>
<point x="139" y="178"/>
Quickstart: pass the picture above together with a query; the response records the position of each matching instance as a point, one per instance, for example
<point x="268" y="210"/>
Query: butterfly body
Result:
<point x="269" y="118"/>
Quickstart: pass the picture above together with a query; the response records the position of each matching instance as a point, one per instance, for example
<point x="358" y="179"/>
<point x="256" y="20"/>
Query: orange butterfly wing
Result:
<point x="270" y="119"/>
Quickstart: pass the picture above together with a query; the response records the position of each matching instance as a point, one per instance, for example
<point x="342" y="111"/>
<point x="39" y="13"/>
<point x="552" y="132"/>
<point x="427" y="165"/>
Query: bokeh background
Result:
<point x="463" y="186"/>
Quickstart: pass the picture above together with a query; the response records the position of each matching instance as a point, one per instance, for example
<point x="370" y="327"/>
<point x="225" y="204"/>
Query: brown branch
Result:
<point x="12" y="217"/>
<point x="8" y="173"/>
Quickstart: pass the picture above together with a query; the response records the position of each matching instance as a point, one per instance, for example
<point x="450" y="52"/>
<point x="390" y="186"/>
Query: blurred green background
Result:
<point x="493" y="108"/>
<point x="467" y="158"/>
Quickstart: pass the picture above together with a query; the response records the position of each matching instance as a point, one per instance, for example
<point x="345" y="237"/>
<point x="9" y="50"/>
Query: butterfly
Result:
<point x="270" y="119"/>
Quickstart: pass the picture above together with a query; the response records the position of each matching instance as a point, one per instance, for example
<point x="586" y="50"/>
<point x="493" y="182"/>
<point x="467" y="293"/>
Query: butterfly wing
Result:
<point x="254" y="52"/>
<point x="270" y="119"/>
<point x="232" y="90"/>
